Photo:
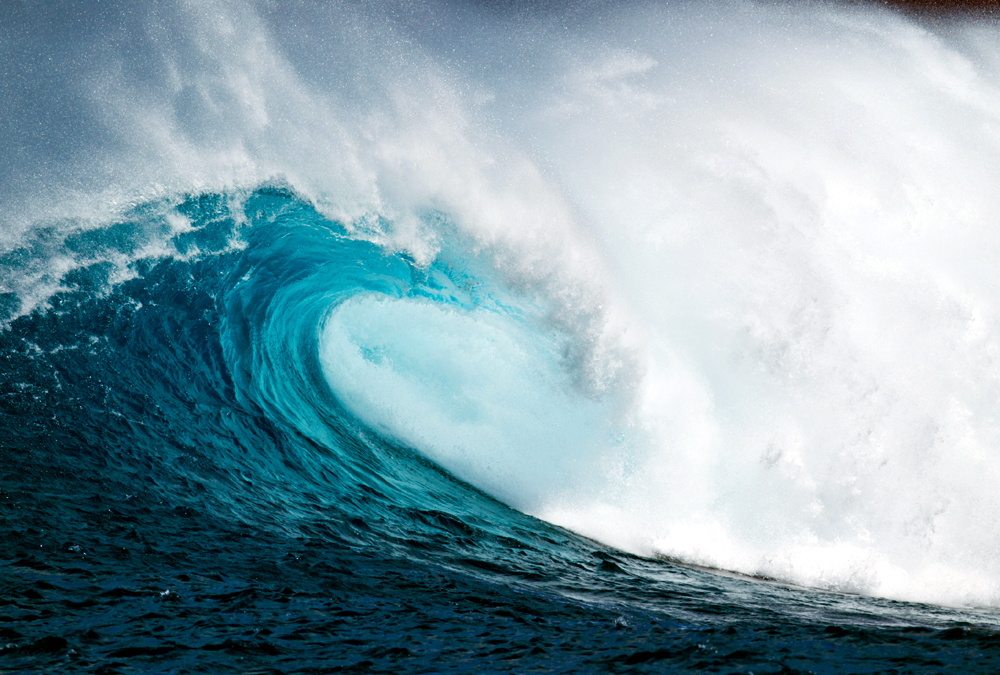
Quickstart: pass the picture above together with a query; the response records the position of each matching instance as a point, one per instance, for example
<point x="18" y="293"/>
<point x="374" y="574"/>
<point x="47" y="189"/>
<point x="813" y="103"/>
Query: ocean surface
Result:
<point x="499" y="337"/>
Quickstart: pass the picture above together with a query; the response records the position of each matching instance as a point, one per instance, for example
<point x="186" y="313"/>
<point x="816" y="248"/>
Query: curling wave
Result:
<point x="714" y="285"/>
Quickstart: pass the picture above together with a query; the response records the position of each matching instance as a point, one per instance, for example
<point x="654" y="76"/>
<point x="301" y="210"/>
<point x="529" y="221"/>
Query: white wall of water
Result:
<point x="773" y="232"/>
<point x="798" y="209"/>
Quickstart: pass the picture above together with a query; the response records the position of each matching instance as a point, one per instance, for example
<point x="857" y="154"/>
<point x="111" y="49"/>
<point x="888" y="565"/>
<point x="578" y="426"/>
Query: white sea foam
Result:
<point x="771" y="231"/>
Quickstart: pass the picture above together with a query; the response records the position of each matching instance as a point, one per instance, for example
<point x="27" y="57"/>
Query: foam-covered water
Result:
<point x="710" y="284"/>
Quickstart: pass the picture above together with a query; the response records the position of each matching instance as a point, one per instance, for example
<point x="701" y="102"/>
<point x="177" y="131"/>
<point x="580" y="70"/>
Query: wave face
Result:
<point x="328" y="323"/>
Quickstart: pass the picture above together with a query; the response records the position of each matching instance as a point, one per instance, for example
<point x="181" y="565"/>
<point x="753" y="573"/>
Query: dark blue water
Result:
<point x="183" y="493"/>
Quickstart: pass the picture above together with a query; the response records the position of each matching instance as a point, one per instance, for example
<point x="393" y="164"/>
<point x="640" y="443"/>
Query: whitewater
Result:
<point x="711" y="287"/>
